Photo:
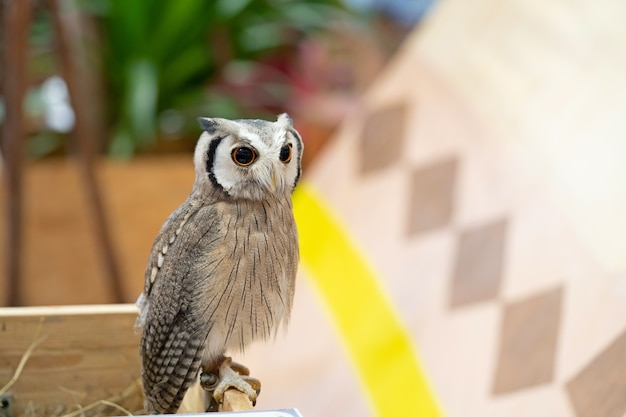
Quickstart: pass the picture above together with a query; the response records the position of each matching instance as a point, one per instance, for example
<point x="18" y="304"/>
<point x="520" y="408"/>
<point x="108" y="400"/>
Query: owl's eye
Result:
<point x="285" y="153"/>
<point x="244" y="156"/>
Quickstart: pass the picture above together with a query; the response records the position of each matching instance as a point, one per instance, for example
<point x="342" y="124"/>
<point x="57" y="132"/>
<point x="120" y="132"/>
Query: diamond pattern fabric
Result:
<point x="478" y="266"/>
<point x="600" y="388"/>
<point x="528" y="341"/>
<point x="382" y="138"/>
<point x="431" y="196"/>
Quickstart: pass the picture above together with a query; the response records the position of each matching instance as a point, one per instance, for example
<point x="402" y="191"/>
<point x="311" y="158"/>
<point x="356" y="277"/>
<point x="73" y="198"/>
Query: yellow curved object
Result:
<point x="372" y="331"/>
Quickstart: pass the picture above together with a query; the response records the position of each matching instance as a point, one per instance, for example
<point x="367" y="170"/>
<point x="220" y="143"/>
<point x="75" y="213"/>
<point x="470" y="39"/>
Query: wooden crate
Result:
<point x="85" y="354"/>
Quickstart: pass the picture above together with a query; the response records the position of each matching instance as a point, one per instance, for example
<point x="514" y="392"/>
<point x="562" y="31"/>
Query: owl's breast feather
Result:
<point x="247" y="273"/>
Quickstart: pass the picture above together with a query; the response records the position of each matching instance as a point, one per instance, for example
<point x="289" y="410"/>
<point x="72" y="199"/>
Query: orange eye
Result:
<point x="285" y="153"/>
<point x="244" y="156"/>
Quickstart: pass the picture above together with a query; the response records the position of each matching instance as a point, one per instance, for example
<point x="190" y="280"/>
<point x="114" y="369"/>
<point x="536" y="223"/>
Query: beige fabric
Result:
<point x="495" y="215"/>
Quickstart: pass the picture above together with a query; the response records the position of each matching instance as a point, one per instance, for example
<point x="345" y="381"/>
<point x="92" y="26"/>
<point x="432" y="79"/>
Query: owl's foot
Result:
<point x="231" y="375"/>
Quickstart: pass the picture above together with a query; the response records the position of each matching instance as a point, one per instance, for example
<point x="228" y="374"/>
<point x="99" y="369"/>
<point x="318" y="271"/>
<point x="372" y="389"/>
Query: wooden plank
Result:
<point x="86" y="354"/>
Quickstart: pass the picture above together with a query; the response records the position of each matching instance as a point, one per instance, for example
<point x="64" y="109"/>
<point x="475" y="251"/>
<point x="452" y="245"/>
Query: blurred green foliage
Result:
<point x="163" y="58"/>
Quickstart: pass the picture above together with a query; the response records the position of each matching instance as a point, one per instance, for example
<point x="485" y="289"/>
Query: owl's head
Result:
<point x="249" y="159"/>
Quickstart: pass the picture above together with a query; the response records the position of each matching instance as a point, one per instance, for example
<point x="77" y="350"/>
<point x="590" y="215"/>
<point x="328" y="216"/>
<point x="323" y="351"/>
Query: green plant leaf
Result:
<point x="171" y="54"/>
<point x="227" y="9"/>
<point x="177" y="26"/>
<point x="193" y="63"/>
<point x="260" y="36"/>
<point x="122" y="144"/>
<point x="142" y="99"/>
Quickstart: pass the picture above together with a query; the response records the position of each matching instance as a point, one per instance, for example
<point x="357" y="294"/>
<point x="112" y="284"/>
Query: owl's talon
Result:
<point x="239" y="368"/>
<point x="230" y="378"/>
<point x="254" y="383"/>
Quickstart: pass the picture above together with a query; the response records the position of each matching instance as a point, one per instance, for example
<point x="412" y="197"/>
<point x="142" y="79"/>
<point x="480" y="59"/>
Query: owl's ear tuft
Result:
<point x="208" y="125"/>
<point x="285" y="120"/>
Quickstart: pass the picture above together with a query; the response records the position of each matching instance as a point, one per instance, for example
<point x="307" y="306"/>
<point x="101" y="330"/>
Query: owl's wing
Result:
<point x="172" y="235"/>
<point x="172" y="338"/>
<point x="170" y="364"/>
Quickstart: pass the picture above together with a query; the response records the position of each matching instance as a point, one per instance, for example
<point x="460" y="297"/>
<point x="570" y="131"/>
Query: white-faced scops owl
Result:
<point x="222" y="269"/>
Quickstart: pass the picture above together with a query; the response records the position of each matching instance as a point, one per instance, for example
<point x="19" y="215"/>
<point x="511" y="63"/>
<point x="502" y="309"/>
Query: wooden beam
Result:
<point x="72" y="57"/>
<point x="16" y="20"/>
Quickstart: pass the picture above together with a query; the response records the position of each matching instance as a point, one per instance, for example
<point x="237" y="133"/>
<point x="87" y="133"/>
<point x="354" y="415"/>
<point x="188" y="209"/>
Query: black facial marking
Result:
<point x="211" y="160"/>
<point x="299" y="145"/>
<point x="207" y="125"/>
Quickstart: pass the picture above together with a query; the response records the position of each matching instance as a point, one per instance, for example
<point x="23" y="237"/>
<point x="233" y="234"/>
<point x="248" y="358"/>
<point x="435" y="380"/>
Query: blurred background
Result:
<point x="472" y="151"/>
<point x="151" y="68"/>
<point x="107" y="85"/>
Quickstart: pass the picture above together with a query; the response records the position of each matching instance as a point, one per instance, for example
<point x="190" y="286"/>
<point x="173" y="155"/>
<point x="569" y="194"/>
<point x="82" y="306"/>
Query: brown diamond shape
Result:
<point x="478" y="266"/>
<point x="431" y="196"/>
<point x="382" y="138"/>
<point x="528" y="340"/>
<point x="599" y="390"/>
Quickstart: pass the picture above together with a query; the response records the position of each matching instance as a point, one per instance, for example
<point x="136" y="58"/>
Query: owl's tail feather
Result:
<point x="170" y="365"/>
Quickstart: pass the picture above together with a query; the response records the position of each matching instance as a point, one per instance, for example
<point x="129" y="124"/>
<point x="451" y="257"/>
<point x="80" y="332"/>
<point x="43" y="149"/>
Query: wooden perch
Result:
<point x="235" y="400"/>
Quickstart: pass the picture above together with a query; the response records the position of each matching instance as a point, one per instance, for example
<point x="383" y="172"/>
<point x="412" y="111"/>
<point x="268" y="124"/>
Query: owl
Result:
<point x="222" y="268"/>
